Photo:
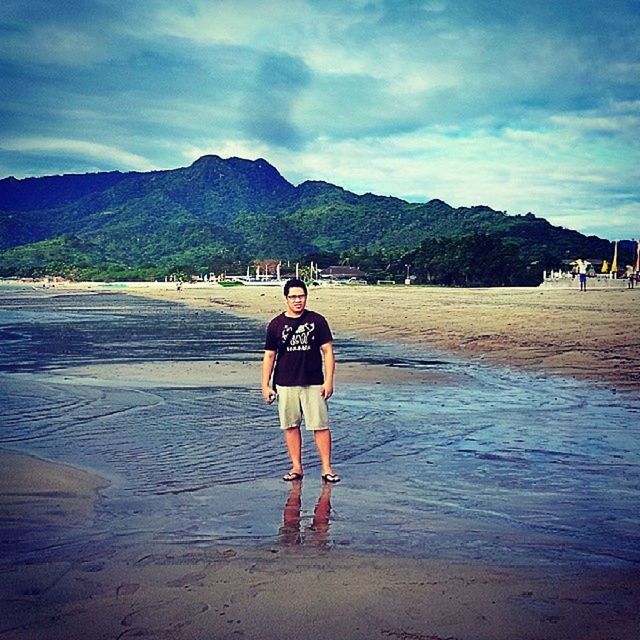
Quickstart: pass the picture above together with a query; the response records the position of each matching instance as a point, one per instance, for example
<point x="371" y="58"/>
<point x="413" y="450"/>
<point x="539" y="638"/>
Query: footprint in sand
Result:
<point x="187" y="580"/>
<point x="127" y="589"/>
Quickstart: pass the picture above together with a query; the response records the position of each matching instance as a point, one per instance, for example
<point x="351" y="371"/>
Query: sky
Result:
<point x="521" y="106"/>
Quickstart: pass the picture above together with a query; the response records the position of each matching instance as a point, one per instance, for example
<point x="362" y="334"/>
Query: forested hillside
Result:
<point x="220" y="214"/>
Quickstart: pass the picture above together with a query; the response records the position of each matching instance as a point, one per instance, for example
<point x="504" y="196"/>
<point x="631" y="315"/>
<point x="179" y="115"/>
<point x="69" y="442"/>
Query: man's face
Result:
<point x="296" y="300"/>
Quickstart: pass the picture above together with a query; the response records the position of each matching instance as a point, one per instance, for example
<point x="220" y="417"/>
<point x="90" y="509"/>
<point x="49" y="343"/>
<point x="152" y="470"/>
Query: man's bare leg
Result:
<point x="323" y="444"/>
<point x="293" y="440"/>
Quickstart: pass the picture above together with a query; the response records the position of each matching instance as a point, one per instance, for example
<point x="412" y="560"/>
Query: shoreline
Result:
<point x="561" y="331"/>
<point x="586" y="336"/>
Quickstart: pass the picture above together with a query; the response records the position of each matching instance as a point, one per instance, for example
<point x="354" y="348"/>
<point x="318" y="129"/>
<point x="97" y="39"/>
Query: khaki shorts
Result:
<point x="296" y="402"/>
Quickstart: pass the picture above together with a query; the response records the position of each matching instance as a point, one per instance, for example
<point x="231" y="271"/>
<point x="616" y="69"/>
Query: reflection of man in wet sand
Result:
<point x="321" y="513"/>
<point x="291" y="534"/>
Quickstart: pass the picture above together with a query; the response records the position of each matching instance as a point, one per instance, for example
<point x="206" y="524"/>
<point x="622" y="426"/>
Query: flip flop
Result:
<point x="291" y="476"/>
<point x="331" y="477"/>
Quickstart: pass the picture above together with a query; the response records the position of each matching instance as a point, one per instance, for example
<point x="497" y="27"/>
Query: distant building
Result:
<point x="268" y="266"/>
<point x="342" y="273"/>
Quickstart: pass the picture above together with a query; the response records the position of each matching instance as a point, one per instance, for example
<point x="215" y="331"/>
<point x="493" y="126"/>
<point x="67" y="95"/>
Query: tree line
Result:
<point x="472" y="260"/>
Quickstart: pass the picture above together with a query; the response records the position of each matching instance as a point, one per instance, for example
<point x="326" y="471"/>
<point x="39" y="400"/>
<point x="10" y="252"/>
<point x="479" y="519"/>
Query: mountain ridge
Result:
<point x="220" y="209"/>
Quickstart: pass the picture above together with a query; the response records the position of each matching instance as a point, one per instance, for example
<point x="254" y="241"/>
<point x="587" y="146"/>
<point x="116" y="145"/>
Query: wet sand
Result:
<point x="41" y="491"/>
<point x="232" y="374"/>
<point x="589" y="336"/>
<point x="115" y="590"/>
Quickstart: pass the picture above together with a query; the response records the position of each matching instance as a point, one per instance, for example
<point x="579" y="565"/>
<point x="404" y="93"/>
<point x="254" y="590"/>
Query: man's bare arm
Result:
<point x="329" y="359"/>
<point x="268" y="360"/>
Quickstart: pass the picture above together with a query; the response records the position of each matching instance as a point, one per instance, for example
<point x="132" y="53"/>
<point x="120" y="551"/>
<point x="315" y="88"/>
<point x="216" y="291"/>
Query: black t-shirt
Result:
<point x="301" y="363"/>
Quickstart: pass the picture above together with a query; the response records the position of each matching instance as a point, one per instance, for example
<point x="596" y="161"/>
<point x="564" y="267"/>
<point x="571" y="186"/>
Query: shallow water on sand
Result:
<point x="483" y="463"/>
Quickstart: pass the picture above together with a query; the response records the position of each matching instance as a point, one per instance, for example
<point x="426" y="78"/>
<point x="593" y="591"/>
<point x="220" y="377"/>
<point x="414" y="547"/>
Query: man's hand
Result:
<point x="326" y="390"/>
<point x="268" y="395"/>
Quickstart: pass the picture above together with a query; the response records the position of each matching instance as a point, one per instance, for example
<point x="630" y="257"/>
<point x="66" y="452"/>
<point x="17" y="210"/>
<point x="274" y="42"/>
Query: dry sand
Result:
<point x="114" y="591"/>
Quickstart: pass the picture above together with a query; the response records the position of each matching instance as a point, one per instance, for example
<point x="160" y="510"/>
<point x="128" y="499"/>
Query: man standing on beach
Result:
<point x="299" y="344"/>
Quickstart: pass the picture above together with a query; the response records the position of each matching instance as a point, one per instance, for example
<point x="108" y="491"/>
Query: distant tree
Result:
<point x="475" y="260"/>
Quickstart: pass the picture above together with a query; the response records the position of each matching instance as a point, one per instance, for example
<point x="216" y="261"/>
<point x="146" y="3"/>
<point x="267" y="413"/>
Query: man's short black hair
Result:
<point x="292" y="283"/>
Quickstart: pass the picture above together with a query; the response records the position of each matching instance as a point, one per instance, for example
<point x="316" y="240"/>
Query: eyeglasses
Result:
<point x="300" y="297"/>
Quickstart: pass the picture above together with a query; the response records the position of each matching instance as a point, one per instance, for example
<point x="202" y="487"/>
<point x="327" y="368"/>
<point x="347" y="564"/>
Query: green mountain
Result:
<point x="218" y="212"/>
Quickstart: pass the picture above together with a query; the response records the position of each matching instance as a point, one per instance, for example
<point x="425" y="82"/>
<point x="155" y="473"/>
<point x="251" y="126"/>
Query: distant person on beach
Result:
<point x="582" y="273"/>
<point x="299" y="354"/>
<point x="631" y="277"/>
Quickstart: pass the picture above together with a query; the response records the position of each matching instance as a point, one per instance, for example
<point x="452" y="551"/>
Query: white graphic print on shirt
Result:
<point x="301" y="338"/>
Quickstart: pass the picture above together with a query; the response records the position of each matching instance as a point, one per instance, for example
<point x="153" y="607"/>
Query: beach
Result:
<point x="189" y="592"/>
<point x="177" y="592"/>
<point x="590" y="336"/>
<point x="89" y="551"/>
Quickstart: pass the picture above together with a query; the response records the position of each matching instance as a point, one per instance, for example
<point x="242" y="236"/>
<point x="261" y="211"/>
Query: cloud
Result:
<point x="268" y="108"/>
<point x="74" y="33"/>
<point x="551" y="173"/>
<point x="90" y="150"/>
<point x="627" y="125"/>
